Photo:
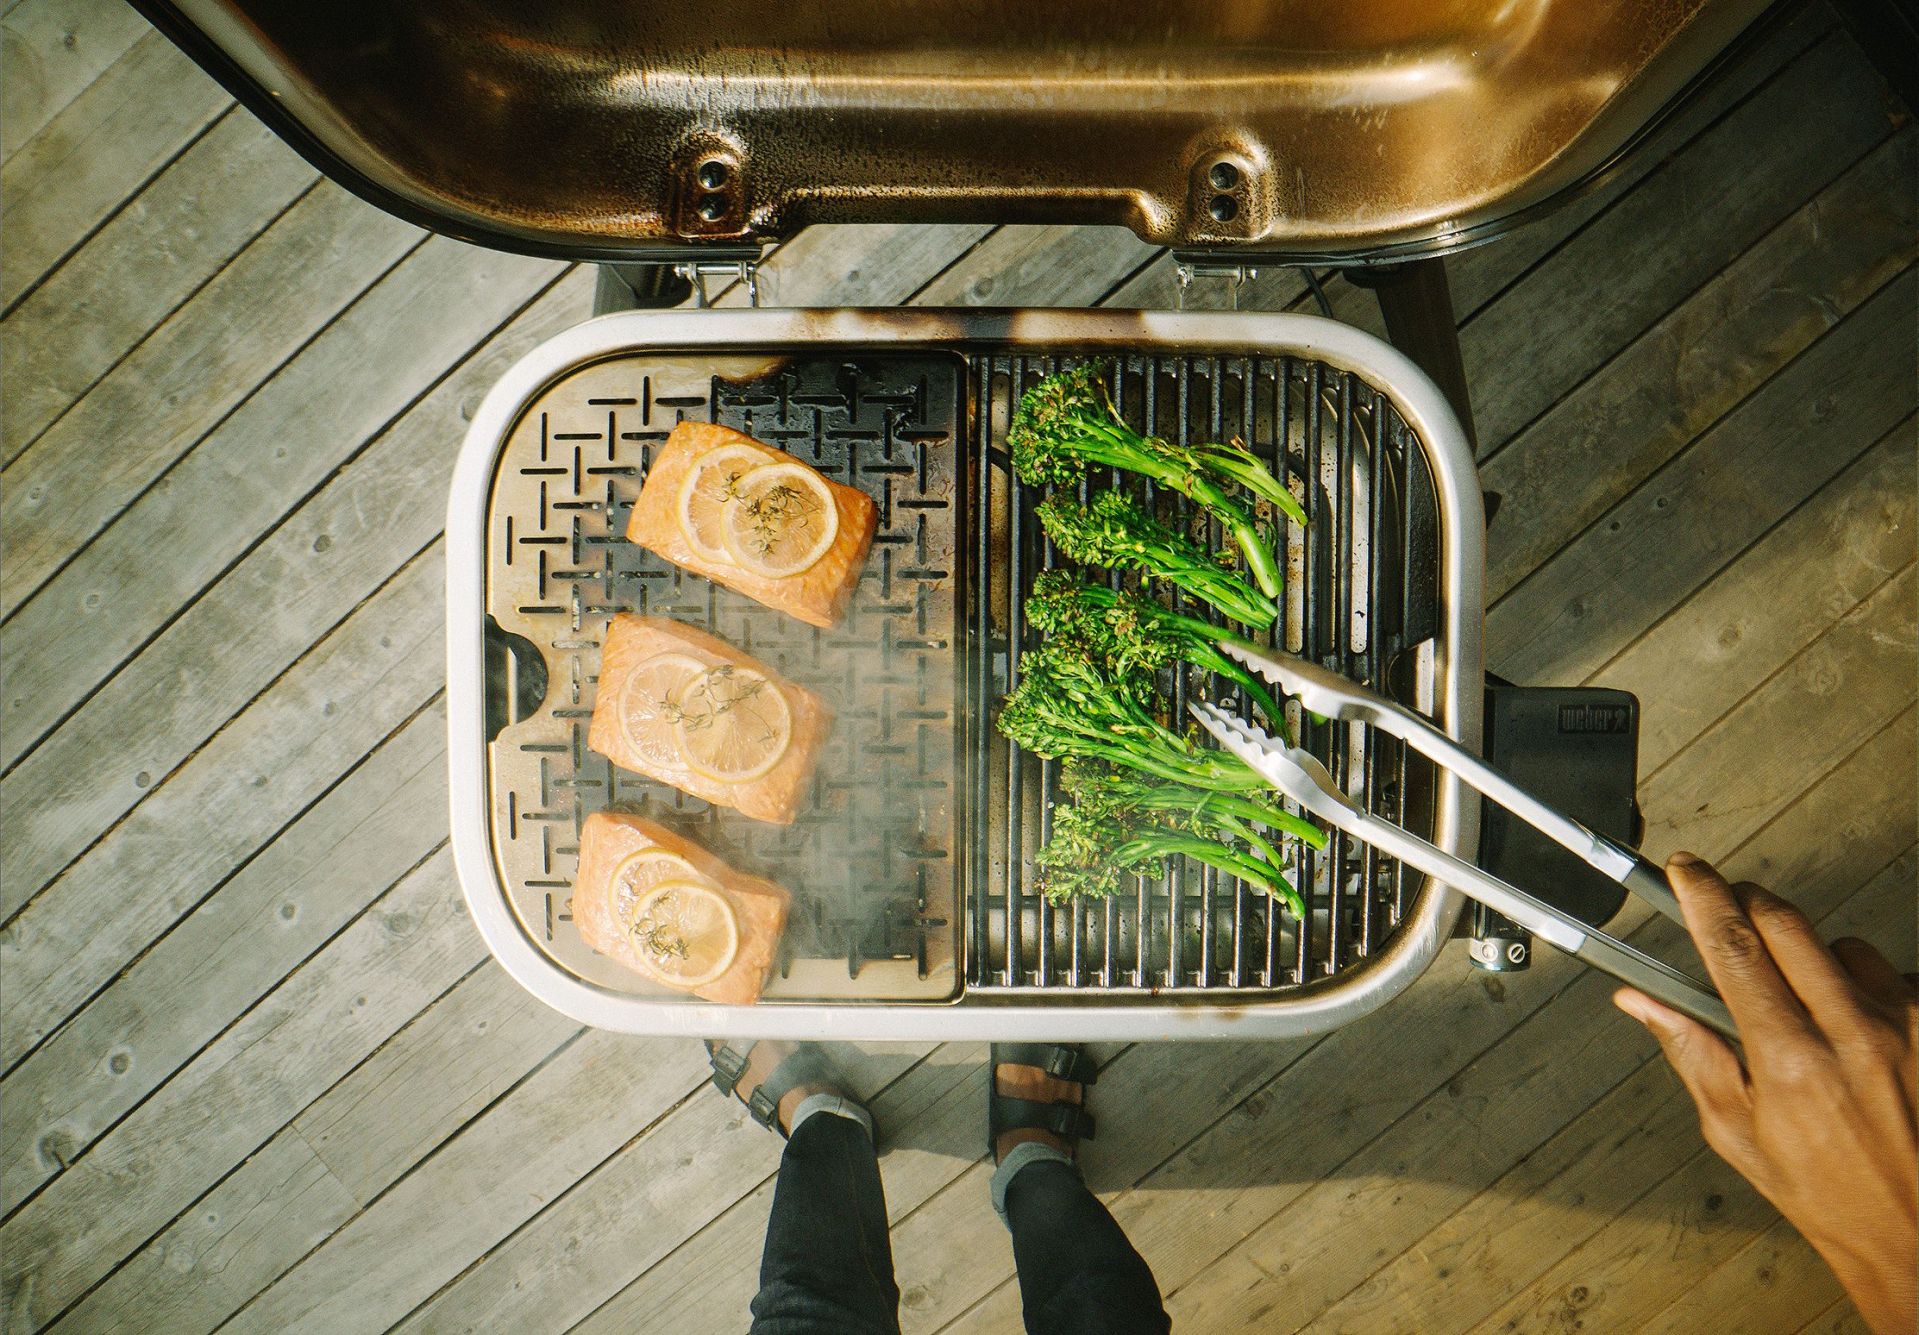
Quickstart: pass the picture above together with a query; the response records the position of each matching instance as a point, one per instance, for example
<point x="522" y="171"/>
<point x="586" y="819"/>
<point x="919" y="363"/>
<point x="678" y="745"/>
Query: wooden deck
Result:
<point x="260" y="1072"/>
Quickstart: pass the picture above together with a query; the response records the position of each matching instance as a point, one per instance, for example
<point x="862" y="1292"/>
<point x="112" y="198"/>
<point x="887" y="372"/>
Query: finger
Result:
<point x="1823" y="986"/>
<point x="1735" y="954"/>
<point x="1873" y="972"/>
<point x="1705" y="1064"/>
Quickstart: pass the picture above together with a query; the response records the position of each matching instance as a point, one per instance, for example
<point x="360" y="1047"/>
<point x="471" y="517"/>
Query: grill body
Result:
<point x="916" y="916"/>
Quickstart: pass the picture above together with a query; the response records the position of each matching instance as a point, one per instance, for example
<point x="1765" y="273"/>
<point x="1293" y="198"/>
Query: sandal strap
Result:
<point x="1063" y="1061"/>
<point x="1068" y="1121"/>
<point x="729" y="1064"/>
<point x="804" y="1065"/>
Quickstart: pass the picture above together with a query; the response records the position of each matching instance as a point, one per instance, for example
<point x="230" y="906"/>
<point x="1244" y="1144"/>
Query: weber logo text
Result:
<point x="1595" y="718"/>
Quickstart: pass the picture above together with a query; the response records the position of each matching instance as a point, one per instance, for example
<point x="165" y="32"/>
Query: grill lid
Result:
<point x="1283" y="129"/>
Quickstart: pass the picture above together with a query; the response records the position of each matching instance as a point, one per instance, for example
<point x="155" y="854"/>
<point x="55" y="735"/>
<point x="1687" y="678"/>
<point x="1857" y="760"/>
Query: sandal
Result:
<point x="1067" y="1062"/>
<point x="807" y="1064"/>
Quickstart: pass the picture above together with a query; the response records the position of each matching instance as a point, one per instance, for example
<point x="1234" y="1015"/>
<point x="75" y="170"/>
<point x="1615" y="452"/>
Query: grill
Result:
<point x="916" y="913"/>
<point x="1361" y="595"/>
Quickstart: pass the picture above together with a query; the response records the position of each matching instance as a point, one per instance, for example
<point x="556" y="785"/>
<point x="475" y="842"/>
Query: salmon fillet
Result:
<point x="817" y="595"/>
<point x="631" y="641"/>
<point x="759" y="906"/>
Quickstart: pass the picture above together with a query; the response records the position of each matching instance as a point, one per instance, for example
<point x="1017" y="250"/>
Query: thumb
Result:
<point x="1705" y="1064"/>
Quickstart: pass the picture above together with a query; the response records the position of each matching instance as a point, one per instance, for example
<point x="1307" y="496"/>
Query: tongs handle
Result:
<point x="1657" y="980"/>
<point x="1648" y="882"/>
<point x="1623" y="865"/>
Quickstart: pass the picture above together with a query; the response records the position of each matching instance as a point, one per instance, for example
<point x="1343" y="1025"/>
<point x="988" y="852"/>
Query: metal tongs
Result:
<point x="1299" y="775"/>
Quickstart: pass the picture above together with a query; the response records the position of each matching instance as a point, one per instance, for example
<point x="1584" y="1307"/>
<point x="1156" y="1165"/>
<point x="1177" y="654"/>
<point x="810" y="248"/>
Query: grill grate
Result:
<point x="874" y="881"/>
<point x="1361" y="597"/>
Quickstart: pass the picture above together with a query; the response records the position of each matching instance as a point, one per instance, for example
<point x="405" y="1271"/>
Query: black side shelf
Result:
<point x="1577" y="747"/>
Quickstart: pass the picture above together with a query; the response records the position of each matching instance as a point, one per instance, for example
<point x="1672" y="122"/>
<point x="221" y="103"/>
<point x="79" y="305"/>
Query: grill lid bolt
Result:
<point x="709" y="186"/>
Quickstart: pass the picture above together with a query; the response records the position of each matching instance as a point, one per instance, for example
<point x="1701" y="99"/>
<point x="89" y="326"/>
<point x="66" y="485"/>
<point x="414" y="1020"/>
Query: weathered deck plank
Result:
<point x="313" y="570"/>
<point x="271" y="1211"/>
<point x="53" y="50"/>
<point x="134" y="272"/>
<point x="402" y="336"/>
<point x="1775" y="151"/>
<point x="1772" y="602"/>
<point x="573" y="1113"/>
<point x="1778" y="1271"/>
<point x="1803" y="427"/>
<point x="410" y="946"/>
<point x="231" y="950"/>
<point x="1860" y="672"/>
<point x="1585" y="454"/>
<point x="96" y="153"/>
<point x="339" y="703"/>
<point x="188" y="379"/>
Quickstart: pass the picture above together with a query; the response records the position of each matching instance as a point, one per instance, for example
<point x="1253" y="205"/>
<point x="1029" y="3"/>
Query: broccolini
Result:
<point x="1067" y="422"/>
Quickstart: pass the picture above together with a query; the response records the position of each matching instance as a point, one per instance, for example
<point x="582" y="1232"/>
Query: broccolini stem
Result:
<point x="1206" y="656"/>
<point x="1114" y="532"/>
<point x="1239" y="829"/>
<point x="1245" y="469"/>
<point x="1102" y="445"/>
<point x="1167" y="843"/>
<point x="1273" y="817"/>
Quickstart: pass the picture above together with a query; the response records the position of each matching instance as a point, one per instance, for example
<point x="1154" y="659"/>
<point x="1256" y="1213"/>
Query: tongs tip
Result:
<point x="1259" y="661"/>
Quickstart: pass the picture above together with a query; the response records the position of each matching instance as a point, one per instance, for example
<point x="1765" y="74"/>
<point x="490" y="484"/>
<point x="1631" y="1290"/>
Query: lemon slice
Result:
<point x="636" y="876"/>
<point x="707" y="492"/>
<point x="781" y="520"/>
<point x="684" y="934"/>
<point x="650" y="706"/>
<point x="734" y="724"/>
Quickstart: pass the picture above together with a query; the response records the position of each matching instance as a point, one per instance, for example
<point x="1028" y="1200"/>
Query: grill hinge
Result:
<point x="1188" y="269"/>
<point x="744" y="269"/>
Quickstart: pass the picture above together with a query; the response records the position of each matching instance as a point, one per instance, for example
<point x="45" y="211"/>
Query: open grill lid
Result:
<point x="595" y="129"/>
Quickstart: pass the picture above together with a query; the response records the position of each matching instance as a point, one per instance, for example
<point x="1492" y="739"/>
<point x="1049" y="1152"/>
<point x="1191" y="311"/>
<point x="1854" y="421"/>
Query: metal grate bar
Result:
<point x="1354" y="591"/>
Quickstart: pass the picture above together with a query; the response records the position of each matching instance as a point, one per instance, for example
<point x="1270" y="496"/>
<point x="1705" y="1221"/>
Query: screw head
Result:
<point x="1224" y="176"/>
<point x="1224" y="208"/>
<point x="713" y="173"/>
<point x="712" y="208"/>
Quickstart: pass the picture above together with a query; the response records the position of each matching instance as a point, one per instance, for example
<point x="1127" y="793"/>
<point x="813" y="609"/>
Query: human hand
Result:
<point x="1820" y="1118"/>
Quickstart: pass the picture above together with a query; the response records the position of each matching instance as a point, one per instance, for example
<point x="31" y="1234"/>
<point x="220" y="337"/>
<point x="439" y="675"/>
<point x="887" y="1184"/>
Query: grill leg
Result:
<point x="1418" y="307"/>
<point x="1888" y="32"/>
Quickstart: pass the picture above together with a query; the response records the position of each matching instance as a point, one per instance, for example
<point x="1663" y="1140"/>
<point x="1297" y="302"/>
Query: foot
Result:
<point x="762" y="1060"/>
<point x="1029" y="1082"/>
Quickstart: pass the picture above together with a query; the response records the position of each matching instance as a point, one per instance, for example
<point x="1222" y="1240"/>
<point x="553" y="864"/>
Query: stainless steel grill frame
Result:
<point x="1368" y="965"/>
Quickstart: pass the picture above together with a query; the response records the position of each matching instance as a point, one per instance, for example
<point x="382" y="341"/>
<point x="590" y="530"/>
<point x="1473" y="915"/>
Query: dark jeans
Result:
<point x="828" y="1268"/>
